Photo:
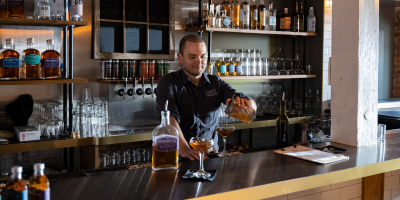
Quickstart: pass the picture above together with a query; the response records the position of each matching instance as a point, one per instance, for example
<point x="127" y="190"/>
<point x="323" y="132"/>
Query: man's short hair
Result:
<point x="190" y="38"/>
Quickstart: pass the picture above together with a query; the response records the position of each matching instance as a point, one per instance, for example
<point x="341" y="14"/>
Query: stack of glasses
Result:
<point x="91" y="118"/>
<point x="124" y="156"/>
<point x="50" y="127"/>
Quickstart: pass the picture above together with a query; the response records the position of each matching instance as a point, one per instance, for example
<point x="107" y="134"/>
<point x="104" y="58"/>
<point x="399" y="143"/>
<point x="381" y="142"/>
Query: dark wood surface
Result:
<point x="373" y="187"/>
<point x="42" y="82"/>
<point x="243" y="31"/>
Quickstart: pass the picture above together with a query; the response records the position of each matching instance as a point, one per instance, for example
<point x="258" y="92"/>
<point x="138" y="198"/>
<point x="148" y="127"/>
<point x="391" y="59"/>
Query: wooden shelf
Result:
<point x="263" y="78"/>
<point x="243" y="31"/>
<point x="111" y="82"/>
<point x="43" y="82"/>
<point x="41" y="22"/>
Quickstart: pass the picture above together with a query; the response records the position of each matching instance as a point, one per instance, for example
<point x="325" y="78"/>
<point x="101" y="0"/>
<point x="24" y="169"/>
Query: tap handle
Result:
<point x="134" y="88"/>
<point x="143" y="86"/>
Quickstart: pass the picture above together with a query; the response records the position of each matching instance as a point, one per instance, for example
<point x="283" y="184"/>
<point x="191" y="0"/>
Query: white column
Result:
<point x="354" y="71"/>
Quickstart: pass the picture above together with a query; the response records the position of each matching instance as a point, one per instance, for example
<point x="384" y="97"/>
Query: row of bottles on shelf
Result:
<point x="130" y="69"/>
<point x="247" y="15"/>
<point x="45" y="9"/>
<point x="32" y="64"/>
<point x="37" y="187"/>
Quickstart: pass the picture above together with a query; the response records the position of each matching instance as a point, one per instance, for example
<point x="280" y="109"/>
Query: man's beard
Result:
<point x="191" y="73"/>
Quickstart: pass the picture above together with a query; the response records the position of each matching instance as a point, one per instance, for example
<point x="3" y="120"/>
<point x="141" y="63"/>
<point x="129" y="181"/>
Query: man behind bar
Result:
<point x="194" y="97"/>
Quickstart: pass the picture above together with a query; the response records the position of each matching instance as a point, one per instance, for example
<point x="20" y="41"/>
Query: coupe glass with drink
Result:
<point x="224" y="130"/>
<point x="201" y="144"/>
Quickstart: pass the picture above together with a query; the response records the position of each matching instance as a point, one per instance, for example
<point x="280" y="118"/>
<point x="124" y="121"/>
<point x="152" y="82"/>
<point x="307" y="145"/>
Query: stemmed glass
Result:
<point x="42" y="122"/>
<point x="291" y="70"/>
<point x="224" y="130"/>
<point x="59" y="122"/>
<point x="298" y="62"/>
<point x="52" y="127"/>
<point x="262" y="100"/>
<point x="201" y="144"/>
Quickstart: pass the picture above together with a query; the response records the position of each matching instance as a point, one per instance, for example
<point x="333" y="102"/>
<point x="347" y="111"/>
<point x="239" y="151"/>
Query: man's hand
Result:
<point x="192" y="154"/>
<point x="249" y="103"/>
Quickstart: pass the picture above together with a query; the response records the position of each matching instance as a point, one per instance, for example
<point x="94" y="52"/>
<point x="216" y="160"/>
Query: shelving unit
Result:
<point x="43" y="82"/>
<point x="41" y="22"/>
<point x="111" y="82"/>
<point x="243" y="31"/>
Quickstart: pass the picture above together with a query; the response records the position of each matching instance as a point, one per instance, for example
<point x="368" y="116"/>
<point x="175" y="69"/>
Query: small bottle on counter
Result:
<point x="39" y="186"/>
<point x="165" y="144"/>
<point x="16" y="187"/>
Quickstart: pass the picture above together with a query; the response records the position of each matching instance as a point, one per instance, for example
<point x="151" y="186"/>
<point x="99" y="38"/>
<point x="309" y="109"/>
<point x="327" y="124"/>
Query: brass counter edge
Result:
<point x="305" y="183"/>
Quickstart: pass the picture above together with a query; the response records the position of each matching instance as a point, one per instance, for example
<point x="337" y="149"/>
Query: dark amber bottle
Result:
<point x="15" y="8"/>
<point x="39" y="186"/>
<point x="31" y="59"/>
<point x="16" y="186"/>
<point x="50" y="62"/>
<point x="10" y="62"/>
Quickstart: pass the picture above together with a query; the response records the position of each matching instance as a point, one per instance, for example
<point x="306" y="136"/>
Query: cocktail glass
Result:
<point x="225" y="130"/>
<point x="201" y="144"/>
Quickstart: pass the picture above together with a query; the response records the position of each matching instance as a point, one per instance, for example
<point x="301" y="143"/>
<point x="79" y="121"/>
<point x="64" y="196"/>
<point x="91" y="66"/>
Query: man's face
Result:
<point x="194" y="58"/>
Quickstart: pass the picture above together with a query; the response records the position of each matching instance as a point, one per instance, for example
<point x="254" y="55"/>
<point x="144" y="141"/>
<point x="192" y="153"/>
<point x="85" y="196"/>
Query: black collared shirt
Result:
<point x="195" y="108"/>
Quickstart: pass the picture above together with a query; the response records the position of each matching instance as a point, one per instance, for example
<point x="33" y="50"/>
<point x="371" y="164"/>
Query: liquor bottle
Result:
<point x="285" y="20"/>
<point x="262" y="16"/>
<point x="235" y="14"/>
<point x="245" y="14"/>
<point x="217" y="17"/>
<point x="211" y="17"/>
<point x="15" y="9"/>
<point x="317" y="104"/>
<point x="160" y="69"/>
<point x="230" y="65"/>
<point x="225" y="5"/>
<point x="44" y="9"/>
<point x="238" y="64"/>
<point x="152" y="69"/>
<point x="271" y="17"/>
<point x="253" y="15"/>
<point x="301" y="18"/>
<point x="131" y="69"/>
<point x="282" y="126"/>
<point x="296" y="20"/>
<point x="166" y="67"/>
<point x="165" y="144"/>
<point x="16" y="186"/>
<point x="123" y="69"/>
<point x="311" y="21"/>
<point x="222" y="67"/>
<point x="50" y="62"/>
<point x="76" y="10"/>
<point x="36" y="8"/>
<point x="57" y="11"/>
<point x="204" y="13"/>
<point x="226" y="20"/>
<point x="10" y="62"/>
<point x="31" y="58"/>
<point x="145" y="69"/>
<point x="39" y="186"/>
<point x="115" y="69"/>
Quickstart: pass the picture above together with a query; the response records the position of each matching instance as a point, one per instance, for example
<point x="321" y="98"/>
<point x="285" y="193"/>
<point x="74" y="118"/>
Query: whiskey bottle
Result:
<point x="10" y="62"/>
<point x="217" y="17"/>
<point x="262" y="16"/>
<point x="296" y="20"/>
<point x="225" y="5"/>
<point x="271" y="17"/>
<point x="76" y="11"/>
<point x="235" y="14"/>
<point x="31" y="58"/>
<point x="301" y="18"/>
<point x="285" y="21"/>
<point x="15" y="8"/>
<point x="44" y="9"/>
<point x="230" y="65"/>
<point x="245" y="14"/>
<point x="16" y="186"/>
<point x="39" y="186"/>
<point x="238" y="64"/>
<point x="282" y="126"/>
<point x="165" y="144"/>
<point x="253" y="15"/>
<point x="222" y="67"/>
<point x="50" y="62"/>
<point x="211" y="17"/>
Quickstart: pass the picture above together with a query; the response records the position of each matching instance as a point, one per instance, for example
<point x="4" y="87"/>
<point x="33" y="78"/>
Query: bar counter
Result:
<point x="255" y="175"/>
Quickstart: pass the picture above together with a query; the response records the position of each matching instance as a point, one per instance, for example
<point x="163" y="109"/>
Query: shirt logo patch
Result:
<point x="211" y="93"/>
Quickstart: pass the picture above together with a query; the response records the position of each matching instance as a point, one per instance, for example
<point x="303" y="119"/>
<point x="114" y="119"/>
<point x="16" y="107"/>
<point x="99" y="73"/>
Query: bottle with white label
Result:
<point x="165" y="144"/>
<point x="44" y="9"/>
<point x="76" y="10"/>
<point x="311" y="21"/>
<point x="57" y="10"/>
<point x="245" y="15"/>
<point x="271" y="17"/>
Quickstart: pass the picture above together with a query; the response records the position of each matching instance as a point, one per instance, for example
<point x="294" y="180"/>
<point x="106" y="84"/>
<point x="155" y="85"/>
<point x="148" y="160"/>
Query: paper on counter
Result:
<point x="312" y="155"/>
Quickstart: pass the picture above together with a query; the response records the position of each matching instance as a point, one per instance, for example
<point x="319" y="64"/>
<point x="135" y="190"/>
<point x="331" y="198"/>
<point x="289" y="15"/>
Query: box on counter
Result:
<point x="27" y="133"/>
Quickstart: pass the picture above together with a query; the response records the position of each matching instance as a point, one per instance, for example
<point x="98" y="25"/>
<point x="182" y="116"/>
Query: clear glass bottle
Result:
<point x="15" y="9"/>
<point x="245" y="14"/>
<point x="50" y="62"/>
<point x="311" y="21"/>
<point x="245" y="66"/>
<point x="235" y="14"/>
<point x="285" y="20"/>
<point x="10" y="68"/>
<point x="317" y="104"/>
<point x="165" y="144"/>
<point x="217" y="18"/>
<point x="262" y="16"/>
<point x="39" y="186"/>
<point x="31" y="58"/>
<point x="271" y="17"/>
<point x="226" y="20"/>
<point x="16" y="186"/>
<point x="222" y="67"/>
<point x="238" y="64"/>
<point x="44" y="9"/>
<point x="211" y="17"/>
<point x="296" y="20"/>
<point x="76" y="10"/>
<point x="57" y="10"/>
<point x="204" y="13"/>
<point x="36" y="8"/>
<point x="230" y="65"/>
<point x="253" y="15"/>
